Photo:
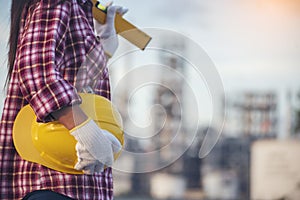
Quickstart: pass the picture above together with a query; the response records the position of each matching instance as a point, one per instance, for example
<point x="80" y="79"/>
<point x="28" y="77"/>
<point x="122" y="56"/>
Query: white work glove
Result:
<point x="107" y="31"/>
<point x="86" y="162"/>
<point x="95" y="147"/>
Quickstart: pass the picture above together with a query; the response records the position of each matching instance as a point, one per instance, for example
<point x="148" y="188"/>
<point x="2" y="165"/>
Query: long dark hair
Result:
<point x="16" y="10"/>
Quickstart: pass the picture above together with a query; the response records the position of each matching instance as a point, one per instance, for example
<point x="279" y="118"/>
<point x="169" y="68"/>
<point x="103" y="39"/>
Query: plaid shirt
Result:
<point x="58" y="55"/>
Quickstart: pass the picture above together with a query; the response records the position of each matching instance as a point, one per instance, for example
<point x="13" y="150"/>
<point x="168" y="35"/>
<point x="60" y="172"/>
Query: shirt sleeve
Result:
<point x="39" y="52"/>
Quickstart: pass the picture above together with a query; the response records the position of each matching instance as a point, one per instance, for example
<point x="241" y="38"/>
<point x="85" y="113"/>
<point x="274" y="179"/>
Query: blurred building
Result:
<point x="181" y="168"/>
<point x="296" y="116"/>
<point x="275" y="170"/>
<point x="169" y="95"/>
<point x="226" y="169"/>
<point x="183" y="175"/>
<point x="225" y="173"/>
<point x="252" y="114"/>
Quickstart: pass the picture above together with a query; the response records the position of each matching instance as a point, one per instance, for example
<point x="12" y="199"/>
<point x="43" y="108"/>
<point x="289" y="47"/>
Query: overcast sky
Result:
<point x="245" y="38"/>
<point x="254" y="44"/>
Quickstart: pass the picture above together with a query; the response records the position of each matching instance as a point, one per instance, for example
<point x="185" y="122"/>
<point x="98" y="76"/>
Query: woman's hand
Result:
<point x="95" y="147"/>
<point x="107" y="31"/>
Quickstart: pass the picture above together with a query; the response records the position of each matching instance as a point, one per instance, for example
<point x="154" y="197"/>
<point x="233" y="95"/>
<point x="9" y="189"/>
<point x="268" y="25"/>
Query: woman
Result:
<point x="50" y="41"/>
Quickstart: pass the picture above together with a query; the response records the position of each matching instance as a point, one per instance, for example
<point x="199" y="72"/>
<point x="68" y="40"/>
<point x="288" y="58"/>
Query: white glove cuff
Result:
<point x="110" y="45"/>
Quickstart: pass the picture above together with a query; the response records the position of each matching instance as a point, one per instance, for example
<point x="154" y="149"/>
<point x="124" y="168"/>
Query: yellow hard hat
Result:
<point x="51" y="145"/>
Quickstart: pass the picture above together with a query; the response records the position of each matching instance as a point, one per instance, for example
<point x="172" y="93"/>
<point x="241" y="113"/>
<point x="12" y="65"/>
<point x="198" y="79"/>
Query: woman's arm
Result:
<point x="70" y="116"/>
<point x="39" y="51"/>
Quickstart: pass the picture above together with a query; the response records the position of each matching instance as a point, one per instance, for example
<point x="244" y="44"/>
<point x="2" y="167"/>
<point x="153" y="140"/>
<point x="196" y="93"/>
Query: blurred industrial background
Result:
<point x="255" y="47"/>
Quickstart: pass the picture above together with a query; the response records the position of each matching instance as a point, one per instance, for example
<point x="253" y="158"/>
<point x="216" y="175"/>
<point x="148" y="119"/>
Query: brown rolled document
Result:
<point x="123" y="28"/>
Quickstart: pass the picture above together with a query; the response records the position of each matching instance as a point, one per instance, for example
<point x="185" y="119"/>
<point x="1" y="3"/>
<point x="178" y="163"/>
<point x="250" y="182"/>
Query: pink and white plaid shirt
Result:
<point x="58" y="55"/>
